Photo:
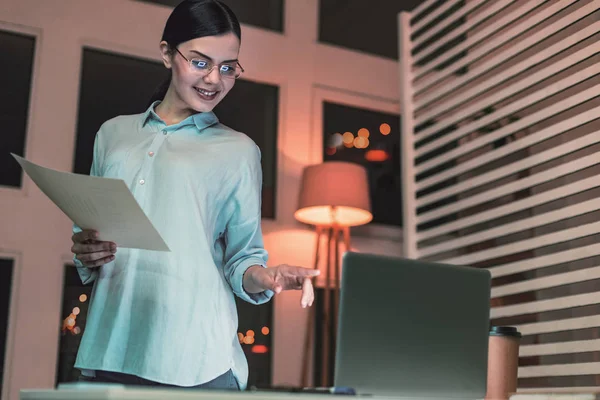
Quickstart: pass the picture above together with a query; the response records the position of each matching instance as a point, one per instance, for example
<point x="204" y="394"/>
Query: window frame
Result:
<point x="25" y="189"/>
<point x="322" y="94"/>
<point x="11" y="329"/>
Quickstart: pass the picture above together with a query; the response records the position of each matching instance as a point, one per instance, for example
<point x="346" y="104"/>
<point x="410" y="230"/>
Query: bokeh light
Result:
<point x="363" y="132"/>
<point x="385" y="129"/>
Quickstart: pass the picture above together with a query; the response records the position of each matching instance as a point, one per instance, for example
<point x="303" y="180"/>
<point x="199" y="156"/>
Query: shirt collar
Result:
<point x="201" y="120"/>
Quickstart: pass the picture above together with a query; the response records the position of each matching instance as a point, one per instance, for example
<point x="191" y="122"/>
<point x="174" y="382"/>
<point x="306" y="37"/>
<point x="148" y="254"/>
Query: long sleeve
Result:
<point x="243" y="236"/>
<point x="88" y="275"/>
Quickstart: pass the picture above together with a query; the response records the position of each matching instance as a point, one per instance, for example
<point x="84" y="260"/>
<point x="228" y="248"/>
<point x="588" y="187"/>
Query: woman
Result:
<point x="169" y="317"/>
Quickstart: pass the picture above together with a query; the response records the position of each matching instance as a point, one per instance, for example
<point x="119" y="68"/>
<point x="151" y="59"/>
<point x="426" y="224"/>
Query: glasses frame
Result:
<point x="213" y="66"/>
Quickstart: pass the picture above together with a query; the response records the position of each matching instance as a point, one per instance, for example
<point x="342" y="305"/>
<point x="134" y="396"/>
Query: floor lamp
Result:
<point x="334" y="196"/>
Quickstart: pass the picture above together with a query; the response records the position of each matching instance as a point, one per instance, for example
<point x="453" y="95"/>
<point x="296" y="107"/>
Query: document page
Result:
<point x="103" y="204"/>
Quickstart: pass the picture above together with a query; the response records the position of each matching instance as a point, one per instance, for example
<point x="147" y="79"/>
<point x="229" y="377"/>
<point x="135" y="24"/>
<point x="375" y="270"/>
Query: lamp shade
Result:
<point x="334" y="192"/>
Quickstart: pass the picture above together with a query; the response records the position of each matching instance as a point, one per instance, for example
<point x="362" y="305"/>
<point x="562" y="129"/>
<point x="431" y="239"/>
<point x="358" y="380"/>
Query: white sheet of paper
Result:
<point x="103" y="204"/>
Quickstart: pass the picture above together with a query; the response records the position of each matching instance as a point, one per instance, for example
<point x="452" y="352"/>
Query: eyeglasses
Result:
<point x="203" y="67"/>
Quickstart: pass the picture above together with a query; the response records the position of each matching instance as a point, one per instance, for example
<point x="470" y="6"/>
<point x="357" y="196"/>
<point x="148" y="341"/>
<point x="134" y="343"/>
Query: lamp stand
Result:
<point x="334" y="233"/>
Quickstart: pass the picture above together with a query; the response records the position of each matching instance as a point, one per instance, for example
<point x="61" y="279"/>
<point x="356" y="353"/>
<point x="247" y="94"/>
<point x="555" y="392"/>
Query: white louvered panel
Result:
<point x="527" y="244"/>
<point x="510" y="169"/>
<point x="546" y="261"/>
<point x="507" y="73"/>
<point x="447" y="101"/>
<point x="521" y="124"/>
<point x="501" y="95"/>
<point x="547" y="282"/>
<point x="525" y="183"/>
<point x="512" y="108"/>
<point x="559" y="303"/>
<point x="575" y="346"/>
<point x="560" y="325"/>
<point x="407" y="169"/>
<point x="534" y="138"/>
<point x="430" y="17"/>
<point x="519" y="205"/>
<point x="493" y="43"/>
<point x="517" y="226"/>
<point x="515" y="206"/>
<point x="473" y="5"/>
<point x="592" y="368"/>
<point x="420" y="8"/>
<point x="520" y="47"/>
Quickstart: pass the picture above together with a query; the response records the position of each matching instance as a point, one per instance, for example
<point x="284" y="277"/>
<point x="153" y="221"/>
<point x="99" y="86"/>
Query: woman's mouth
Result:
<point x="206" y="94"/>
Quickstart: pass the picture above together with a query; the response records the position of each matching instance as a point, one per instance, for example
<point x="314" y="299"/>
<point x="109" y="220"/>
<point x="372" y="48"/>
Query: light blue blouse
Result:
<point x="170" y="316"/>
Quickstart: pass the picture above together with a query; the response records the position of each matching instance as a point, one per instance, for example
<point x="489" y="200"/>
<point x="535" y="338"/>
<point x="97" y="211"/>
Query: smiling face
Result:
<point x="191" y="88"/>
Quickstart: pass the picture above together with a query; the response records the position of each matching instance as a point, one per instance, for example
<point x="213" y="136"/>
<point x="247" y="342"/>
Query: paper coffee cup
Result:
<point x="503" y="362"/>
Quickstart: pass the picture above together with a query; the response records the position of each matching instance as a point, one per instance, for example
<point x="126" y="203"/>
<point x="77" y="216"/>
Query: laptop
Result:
<point x="413" y="329"/>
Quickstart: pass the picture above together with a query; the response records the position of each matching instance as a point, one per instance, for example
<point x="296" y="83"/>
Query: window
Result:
<point x="255" y="331"/>
<point x="113" y="84"/>
<point x="252" y="108"/>
<point x="75" y="302"/>
<point x="371" y="139"/>
<point x="15" y="81"/>
<point x="255" y="328"/>
<point x="6" y="274"/>
<point x="368" y="26"/>
<point x="267" y="14"/>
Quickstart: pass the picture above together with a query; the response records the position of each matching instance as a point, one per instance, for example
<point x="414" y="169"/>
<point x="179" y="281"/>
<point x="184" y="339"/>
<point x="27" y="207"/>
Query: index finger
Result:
<point x="84" y="235"/>
<point x="308" y="294"/>
<point x="307" y="272"/>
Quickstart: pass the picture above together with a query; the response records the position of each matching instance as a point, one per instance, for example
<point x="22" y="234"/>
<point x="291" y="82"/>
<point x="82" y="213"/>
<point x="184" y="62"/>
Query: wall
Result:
<point x="37" y="236"/>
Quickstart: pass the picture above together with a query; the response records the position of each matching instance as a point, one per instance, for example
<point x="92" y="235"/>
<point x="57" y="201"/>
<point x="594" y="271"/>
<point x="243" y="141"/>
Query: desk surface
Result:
<point x="128" y="393"/>
<point x="116" y="392"/>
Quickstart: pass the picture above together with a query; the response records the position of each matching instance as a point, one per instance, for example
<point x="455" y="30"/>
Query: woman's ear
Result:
<point x="165" y="53"/>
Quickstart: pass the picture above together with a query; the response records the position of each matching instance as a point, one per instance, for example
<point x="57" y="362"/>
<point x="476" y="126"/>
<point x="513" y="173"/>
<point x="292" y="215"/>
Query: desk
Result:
<point x="120" y="393"/>
<point x="130" y="393"/>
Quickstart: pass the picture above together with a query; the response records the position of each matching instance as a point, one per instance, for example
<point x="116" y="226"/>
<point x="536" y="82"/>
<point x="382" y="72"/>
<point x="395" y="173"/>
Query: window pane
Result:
<point x="368" y="26"/>
<point x="75" y="302"/>
<point x="371" y="139"/>
<point x="255" y="330"/>
<point x="6" y="273"/>
<point x="15" y="81"/>
<point x="113" y="84"/>
<point x="252" y="108"/>
<point x="266" y="14"/>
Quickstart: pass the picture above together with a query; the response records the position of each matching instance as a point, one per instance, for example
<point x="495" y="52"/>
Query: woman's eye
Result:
<point x="200" y="64"/>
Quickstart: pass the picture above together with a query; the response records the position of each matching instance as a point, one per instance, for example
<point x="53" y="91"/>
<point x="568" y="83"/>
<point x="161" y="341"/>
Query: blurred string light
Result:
<point x="385" y="129"/>
<point x="260" y="349"/>
<point x="336" y="140"/>
<point x="348" y="139"/>
<point x="360" y="141"/>
<point x="376" y="155"/>
<point x="250" y="337"/>
<point x="70" y="322"/>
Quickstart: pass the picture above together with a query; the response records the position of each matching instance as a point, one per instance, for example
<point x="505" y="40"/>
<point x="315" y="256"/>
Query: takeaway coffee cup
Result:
<point x="503" y="362"/>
